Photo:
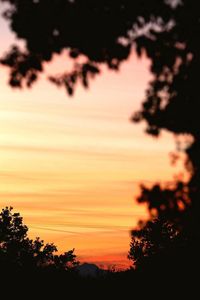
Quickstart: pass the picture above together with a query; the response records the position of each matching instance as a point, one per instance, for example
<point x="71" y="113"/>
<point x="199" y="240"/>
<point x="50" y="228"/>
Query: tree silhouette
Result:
<point x="153" y="239"/>
<point x="101" y="31"/>
<point x="104" y="32"/>
<point x="18" y="251"/>
<point x="164" y="257"/>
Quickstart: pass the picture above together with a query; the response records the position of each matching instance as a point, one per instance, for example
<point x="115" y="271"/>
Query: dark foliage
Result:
<point x="30" y="268"/>
<point x="151" y="239"/>
<point x="19" y="252"/>
<point x="101" y="31"/>
<point x="160" y="245"/>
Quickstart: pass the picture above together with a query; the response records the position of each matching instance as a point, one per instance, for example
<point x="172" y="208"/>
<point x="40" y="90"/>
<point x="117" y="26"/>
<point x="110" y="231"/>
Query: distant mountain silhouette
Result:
<point x="90" y="270"/>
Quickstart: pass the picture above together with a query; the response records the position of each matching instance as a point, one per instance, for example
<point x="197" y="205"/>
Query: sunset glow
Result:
<point x="72" y="166"/>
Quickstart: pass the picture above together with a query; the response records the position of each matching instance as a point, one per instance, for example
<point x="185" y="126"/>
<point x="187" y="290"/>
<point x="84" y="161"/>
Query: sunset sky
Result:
<point x="72" y="166"/>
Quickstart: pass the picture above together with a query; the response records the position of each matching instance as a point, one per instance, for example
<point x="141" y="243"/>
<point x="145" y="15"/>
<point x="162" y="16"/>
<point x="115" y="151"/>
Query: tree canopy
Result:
<point x="152" y="239"/>
<point x="105" y="32"/>
<point x="158" y="248"/>
<point x="18" y="251"/>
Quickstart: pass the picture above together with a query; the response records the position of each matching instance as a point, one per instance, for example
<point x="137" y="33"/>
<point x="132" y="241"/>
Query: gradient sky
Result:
<point x="71" y="166"/>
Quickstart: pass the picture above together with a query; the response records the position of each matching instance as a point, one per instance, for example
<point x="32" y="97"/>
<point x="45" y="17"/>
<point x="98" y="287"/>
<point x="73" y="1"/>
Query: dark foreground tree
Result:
<point x="19" y="252"/>
<point x="101" y="32"/>
<point x="152" y="239"/>
<point x="160" y="245"/>
<point x="93" y="33"/>
<point x="165" y="258"/>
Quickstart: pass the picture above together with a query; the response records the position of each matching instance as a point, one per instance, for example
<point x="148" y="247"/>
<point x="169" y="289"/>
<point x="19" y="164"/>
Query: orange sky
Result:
<point x="71" y="166"/>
